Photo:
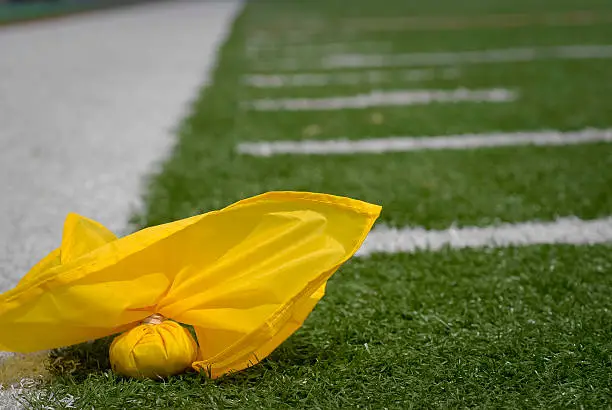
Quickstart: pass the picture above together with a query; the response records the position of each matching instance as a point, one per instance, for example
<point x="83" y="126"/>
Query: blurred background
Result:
<point x="12" y="11"/>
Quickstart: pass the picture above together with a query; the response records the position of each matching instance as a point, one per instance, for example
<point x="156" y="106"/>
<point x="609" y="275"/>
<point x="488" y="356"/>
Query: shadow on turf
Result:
<point x="79" y="361"/>
<point x="76" y="363"/>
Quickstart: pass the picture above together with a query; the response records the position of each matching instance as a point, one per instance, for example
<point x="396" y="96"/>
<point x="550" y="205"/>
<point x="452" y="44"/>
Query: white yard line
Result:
<point x="348" y="78"/>
<point x="287" y="31"/>
<point x="403" y="144"/>
<point x="386" y="98"/>
<point x="510" y="20"/>
<point x="507" y="55"/>
<point x="562" y="231"/>
<point x="282" y="37"/>
<point x="255" y="48"/>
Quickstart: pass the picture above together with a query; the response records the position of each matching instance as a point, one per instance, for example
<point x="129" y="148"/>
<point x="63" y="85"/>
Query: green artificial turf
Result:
<point x="526" y="327"/>
<point x="430" y="189"/>
<point x="499" y="328"/>
<point x="547" y="105"/>
<point x="273" y="13"/>
<point x="408" y="42"/>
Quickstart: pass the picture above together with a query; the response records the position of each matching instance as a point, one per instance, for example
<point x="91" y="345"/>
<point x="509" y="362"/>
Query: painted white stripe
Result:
<point x="80" y="137"/>
<point x="347" y="78"/>
<point x="403" y="144"/>
<point x="577" y="52"/>
<point x="572" y="18"/>
<point x="265" y="56"/>
<point x="386" y="98"/>
<point x="569" y="230"/>
<point x="256" y="48"/>
<point x="282" y="37"/>
<point x="305" y="27"/>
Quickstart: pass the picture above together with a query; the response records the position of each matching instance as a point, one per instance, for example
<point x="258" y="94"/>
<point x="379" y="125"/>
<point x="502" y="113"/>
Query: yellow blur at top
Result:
<point x="245" y="277"/>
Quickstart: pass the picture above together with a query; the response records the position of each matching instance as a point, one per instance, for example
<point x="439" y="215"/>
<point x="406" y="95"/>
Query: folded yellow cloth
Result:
<point x="245" y="277"/>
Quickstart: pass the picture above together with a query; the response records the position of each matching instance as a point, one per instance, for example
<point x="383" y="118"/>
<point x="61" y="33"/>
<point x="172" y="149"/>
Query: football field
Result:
<point x="484" y="130"/>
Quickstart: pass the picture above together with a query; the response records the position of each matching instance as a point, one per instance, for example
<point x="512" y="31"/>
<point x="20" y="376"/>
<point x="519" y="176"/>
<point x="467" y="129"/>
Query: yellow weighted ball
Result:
<point x="155" y="349"/>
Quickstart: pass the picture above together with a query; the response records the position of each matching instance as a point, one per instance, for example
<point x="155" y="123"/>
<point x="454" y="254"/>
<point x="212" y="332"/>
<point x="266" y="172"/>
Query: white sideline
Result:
<point x="88" y="105"/>
<point x="507" y="55"/>
<point x="386" y="98"/>
<point x="403" y="144"/>
<point x="347" y="78"/>
<point x="570" y="230"/>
